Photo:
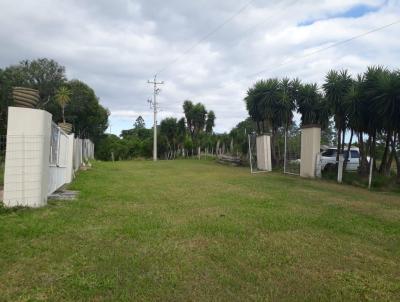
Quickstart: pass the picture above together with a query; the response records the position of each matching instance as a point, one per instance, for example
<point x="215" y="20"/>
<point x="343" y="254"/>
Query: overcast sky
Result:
<point x="116" y="46"/>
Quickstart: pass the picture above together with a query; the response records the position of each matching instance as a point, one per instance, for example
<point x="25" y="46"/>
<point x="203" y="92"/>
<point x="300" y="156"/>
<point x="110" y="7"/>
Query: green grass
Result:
<point x="191" y="230"/>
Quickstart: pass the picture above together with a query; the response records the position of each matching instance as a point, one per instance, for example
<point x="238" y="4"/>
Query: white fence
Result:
<point x="59" y="163"/>
<point x="40" y="157"/>
<point x="83" y="151"/>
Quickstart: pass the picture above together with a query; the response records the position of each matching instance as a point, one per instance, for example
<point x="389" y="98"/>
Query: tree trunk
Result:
<point x="348" y="149"/>
<point x="396" y="158"/>
<point x="363" y="152"/>
<point x="383" y="166"/>
<point x="343" y="138"/>
<point x="388" y="169"/>
<point x="273" y="146"/>
<point x="338" y="146"/>
<point x="373" y="153"/>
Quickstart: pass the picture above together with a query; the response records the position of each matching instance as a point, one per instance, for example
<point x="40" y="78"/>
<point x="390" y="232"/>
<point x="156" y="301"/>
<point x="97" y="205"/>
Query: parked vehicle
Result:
<point x="328" y="159"/>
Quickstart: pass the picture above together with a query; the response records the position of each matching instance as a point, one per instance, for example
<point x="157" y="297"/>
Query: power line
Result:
<point x="293" y="60"/>
<point x="272" y="16"/>
<point x="206" y="36"/>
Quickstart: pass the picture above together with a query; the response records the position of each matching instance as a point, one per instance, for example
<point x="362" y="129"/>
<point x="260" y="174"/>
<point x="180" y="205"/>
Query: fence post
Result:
<point x="318" y="165"/>
<point x="285" y="153"/>
<point x="340" y="169"/>
<point x="371" y="166"/>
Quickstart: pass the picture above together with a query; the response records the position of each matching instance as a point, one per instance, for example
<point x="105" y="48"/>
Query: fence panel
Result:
<point x="292" y="152"/>
<point x="58" y="162"/>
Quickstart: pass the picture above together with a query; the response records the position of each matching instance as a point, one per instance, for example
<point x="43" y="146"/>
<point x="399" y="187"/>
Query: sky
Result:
<point x="206" y="51"/>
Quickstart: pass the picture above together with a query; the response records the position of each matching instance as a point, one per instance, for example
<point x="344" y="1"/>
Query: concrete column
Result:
<point x="263" y="143"/>
<point x="310" y="147"/>
<point x="26" y="174"/>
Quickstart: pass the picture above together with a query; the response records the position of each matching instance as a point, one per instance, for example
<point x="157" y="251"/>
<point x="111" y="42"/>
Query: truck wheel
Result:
<point x="330" y="168"/>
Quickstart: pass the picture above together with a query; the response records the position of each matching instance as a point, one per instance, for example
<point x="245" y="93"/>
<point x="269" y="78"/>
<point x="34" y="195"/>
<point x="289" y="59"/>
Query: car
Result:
<point x="328" y="158"/>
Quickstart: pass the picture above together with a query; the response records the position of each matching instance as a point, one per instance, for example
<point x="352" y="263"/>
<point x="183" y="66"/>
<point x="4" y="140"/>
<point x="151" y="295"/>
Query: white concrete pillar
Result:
<point x="26" y="172"/>
<point x="310" y="147"/>
<point x="263" y="143"/>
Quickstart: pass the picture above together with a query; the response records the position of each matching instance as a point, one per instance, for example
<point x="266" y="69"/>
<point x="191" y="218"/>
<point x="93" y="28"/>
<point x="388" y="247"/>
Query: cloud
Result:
<point x="117" y="46"/>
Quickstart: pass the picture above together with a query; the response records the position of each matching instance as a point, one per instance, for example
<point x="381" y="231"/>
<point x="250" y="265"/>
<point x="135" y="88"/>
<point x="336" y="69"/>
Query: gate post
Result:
<point x="26" y="174"/>
<point x="310" y="147"/>
<point x="263" y="143"/>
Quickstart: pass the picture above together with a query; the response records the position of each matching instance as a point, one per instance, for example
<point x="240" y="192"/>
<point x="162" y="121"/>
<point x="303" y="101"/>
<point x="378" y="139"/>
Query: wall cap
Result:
<point x="310" y="126"/>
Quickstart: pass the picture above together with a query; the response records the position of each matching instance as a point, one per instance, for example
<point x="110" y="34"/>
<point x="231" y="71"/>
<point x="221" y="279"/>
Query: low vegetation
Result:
<point x="193" y="230"/>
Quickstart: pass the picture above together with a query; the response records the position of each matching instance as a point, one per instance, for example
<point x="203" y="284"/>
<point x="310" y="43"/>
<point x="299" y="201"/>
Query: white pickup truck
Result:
<point x="328" y="158"/>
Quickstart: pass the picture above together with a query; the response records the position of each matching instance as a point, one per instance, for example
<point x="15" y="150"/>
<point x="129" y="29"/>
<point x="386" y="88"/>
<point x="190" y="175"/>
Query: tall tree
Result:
<point x="357" y="116"/>
<point x="195" y="115"/>
<point x="386" y="105"/>
<point x="169" y="130"/>
<point x="312" y="106"/>
<point x="337" y="85"/>
<point x="371" y="92"/>
<point x="254" y="104"/>
<point x="139" y="123"/>
<point x="210" y="123"/>
<point x="88" y="117"/>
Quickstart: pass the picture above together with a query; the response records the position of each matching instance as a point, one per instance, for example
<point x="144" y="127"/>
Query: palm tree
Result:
<point x="312" y="106"/>
<point x="386" y="104"/>
<point x="357" y="116"/>
<point x="63" y="97"/>
<point x="255" y="104"/>
<point x="337" y="85"/>
<point x="375" y="116"/>
<point x="286" y="102"/>
<point x="210" y="122"/>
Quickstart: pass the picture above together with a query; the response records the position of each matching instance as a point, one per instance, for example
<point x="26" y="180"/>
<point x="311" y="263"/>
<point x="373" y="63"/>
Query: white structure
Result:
<point x="40" y="157"/>
<point x="263" y="143"/>
<point x="60" y="161"/>
<point x="310" y="148"/>
<point x="26" y="170"/>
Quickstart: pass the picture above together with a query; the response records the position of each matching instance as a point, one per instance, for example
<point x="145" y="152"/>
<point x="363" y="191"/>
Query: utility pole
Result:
<point x="154" y="105"/>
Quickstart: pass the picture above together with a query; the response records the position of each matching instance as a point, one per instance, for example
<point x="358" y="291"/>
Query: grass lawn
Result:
<point x="195" y="230"/>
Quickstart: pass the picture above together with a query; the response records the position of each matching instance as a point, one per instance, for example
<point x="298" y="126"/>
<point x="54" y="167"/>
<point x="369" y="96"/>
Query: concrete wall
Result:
<point x="40" y="157"/>
<point x="263" y="143"/>
<point x="27" y="156"/>
<point x="310" y="147"/>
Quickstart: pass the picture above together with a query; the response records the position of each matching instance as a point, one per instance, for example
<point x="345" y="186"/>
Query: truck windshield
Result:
<point x="329" y="153"/>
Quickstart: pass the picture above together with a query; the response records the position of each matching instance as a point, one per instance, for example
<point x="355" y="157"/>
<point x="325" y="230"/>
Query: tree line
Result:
<point x="367" y="107"/>
<point x="182" y="137"/>
<point x="88" y="117"/>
